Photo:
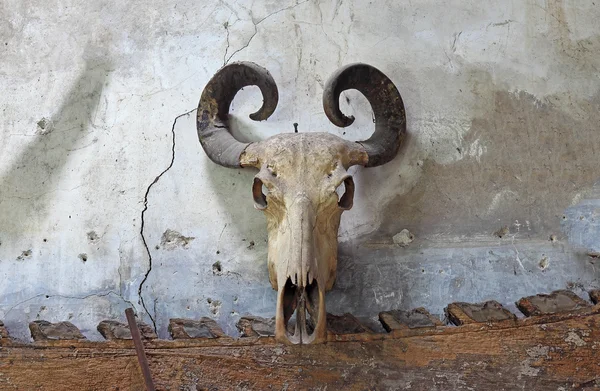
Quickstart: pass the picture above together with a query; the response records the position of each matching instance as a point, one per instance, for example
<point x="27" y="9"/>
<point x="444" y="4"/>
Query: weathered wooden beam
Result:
<point x="545" y="352"/>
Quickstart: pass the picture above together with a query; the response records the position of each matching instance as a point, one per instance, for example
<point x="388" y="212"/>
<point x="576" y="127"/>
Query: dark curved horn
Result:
<point x="213" y="109"/>
<point x="385" y="100"/>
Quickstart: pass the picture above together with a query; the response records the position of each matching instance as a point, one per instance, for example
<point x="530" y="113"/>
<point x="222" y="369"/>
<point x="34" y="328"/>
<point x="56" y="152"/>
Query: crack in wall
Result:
<point x="240" y="49"/>
<point x="226" y="25"/>
<point x="256" y="30"/>
<point x="172" y="161"/>
<point x="107" y="293"/>
<point x="331" y="40"/>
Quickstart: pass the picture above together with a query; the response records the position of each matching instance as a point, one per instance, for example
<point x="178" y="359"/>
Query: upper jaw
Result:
<point x="308" y="303"/>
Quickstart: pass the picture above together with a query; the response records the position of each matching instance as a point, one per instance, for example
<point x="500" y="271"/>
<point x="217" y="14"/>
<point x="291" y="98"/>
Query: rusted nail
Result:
<point x="139" y="349"/>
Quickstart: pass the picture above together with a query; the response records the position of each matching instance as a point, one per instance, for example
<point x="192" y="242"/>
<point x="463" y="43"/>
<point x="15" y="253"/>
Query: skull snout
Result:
<point x="301" y="287"/>
<point x="302" y="262"/>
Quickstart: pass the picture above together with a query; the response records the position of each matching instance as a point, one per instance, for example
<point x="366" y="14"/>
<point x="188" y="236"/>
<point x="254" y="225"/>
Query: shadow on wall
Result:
<point x="27" y="186"/>
<point x="234" y="187"/>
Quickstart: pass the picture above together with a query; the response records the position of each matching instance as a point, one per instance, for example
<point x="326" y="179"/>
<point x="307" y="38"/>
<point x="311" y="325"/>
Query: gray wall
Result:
<point x="502" y="100"/>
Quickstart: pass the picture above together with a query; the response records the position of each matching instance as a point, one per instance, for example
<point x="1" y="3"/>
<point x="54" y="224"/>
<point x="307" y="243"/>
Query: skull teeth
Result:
<point x="301" y="310"/>
<point x="303" y="282"/>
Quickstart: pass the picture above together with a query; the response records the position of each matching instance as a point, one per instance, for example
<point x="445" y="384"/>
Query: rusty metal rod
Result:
<point x="139" y="349"/>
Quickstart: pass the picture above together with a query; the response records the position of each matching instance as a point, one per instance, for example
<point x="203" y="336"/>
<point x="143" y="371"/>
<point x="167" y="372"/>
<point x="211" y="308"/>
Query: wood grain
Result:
<point x="548" y="352"/>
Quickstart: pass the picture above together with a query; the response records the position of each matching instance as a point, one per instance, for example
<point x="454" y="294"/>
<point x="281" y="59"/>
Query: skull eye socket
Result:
<point x="345" y="192"/>
<point x="258" y="193"/>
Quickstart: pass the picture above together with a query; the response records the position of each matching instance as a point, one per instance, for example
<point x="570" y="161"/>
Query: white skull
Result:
<point x="302" y="174"/>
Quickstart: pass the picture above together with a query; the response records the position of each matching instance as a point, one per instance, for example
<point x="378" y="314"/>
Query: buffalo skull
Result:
<point x="301" y="173"/>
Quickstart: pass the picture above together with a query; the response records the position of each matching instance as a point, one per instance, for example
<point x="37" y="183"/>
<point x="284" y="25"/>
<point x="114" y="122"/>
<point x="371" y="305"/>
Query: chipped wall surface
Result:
<point x="106" y="197"/>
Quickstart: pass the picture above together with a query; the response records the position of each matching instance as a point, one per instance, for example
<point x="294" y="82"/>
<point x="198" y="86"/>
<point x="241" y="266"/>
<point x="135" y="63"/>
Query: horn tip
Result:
<point x="258" y="116"/>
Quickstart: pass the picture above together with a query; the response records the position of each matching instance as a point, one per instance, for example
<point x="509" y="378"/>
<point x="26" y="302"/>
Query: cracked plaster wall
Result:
<point x="502" y="103"/>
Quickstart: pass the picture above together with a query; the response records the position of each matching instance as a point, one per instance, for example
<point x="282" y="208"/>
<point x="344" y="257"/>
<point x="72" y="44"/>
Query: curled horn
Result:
<point x="213" y="109"/>
<point x="386" y="102"/>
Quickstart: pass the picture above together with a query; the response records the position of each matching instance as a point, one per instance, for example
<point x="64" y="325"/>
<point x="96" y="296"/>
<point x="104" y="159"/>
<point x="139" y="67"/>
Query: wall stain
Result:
<point x="539" y="155"/>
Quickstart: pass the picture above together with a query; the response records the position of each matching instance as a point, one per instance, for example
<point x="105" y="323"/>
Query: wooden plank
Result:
<point x="549" y="352"/>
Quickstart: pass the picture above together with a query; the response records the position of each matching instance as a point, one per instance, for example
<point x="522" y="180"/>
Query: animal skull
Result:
<point x="301" y="173"/>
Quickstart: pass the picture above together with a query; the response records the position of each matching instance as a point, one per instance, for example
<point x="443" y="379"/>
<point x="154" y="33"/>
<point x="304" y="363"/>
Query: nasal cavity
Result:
<point x="300" y="310"/>
<point x="258" y="193"/>
<point x="345" y="193"/>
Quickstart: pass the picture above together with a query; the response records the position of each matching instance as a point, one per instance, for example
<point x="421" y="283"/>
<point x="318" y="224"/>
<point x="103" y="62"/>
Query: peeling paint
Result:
<point x="544" y="263"/>
<point x="214" y="306"/>
<point x="170" y="240"/>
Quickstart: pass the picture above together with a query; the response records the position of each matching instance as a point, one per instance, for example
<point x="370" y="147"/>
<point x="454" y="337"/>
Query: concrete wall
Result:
<point x="100" y="166"/>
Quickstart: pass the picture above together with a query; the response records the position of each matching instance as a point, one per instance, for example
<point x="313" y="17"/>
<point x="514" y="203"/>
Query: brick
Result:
<point x="595" y="296"/>
<point x="112" y="329"/>
<point x="254" y="326"/>
<point x="3" y="331"/>
<point x="190" y="328"/>
<point x="42" y="330"/>
<point x="401" y="320"/>
<point x="467" y="313"/>
<point x="555" y="302"/>
<point x="345" y="324"/>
